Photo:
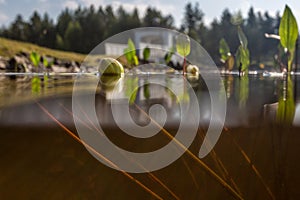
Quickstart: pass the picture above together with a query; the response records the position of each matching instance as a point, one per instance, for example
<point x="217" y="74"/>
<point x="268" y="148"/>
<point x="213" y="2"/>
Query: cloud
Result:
<point x="142" y="6"/>
<point x="70" y="4"/>
<point x="96" y="3"/>
<point x="2" y="2"/>
<point x="130" y="6"/>
<point x="3" y="18"/>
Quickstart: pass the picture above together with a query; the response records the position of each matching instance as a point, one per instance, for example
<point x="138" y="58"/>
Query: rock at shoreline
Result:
<point x="21" y="63"/>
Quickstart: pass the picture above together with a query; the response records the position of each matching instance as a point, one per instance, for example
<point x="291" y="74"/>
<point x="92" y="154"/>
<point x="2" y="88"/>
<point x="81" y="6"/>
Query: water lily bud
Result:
<point x="111" y="67"/>
<point x="192" y="70"/>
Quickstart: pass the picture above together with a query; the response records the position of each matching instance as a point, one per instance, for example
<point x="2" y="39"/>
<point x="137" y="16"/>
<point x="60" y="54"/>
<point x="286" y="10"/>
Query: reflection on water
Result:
<point x="286" y="103"/>
<point x="250" y="100"/>
<point x="144" y="92"/>
<point x="284" y="110"/>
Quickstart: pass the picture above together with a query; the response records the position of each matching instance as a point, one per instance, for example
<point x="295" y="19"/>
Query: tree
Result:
<point x="17" y="30"/>
<point x="35" y="28"/>
<point x="63" y="21"/>
<point x="154" y="18"/>
<point x="193" y="21"/>
<point x="48" y="35"/>
<point x="73" y="37"/>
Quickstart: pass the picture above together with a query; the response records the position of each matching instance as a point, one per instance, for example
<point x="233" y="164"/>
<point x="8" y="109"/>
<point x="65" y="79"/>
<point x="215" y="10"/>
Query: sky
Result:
<point x="211" y="8"/>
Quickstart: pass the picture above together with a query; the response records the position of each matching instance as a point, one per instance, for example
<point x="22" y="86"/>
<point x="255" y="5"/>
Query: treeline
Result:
<point x="82" y="29"/>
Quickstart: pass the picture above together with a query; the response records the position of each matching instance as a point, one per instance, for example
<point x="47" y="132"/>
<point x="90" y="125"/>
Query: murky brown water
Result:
<point x="256" y="155"/>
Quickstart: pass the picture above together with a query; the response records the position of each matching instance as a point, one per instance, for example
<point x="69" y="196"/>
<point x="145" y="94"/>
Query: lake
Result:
<point x="255" y="156"/>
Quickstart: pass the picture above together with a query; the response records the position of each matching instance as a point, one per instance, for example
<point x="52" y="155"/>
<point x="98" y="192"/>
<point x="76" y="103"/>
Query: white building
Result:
<point x="160" y="41"/>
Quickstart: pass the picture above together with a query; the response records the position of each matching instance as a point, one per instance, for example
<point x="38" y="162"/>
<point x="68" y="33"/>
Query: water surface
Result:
<point x="256" y="154"/>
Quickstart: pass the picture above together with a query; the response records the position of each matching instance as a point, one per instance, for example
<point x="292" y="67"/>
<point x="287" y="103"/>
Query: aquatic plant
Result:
<point x="131" y="88"/>
<point x="183" y="47"/>
<point x="146" y="54"/>
<point x="288" y="32"/>
<point x="224" y="50"/>
<point x="146" y="90"/>
<point x="286" y="104"/>
<point x="130" y="54"/>
<point x="35" y="58"/>
<point x="192" y="70"/>
<point x="243" y="91"/>
<point x="242" y="54"/>
<point x="36" y="85"/>
<point x="226" y="58"/>
<point x="46" y="62"/>
<point x="168" y="55"/>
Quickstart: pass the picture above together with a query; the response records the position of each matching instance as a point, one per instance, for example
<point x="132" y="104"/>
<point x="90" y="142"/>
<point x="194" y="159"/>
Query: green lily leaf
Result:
<point x="224" y="50"/>
<point x="243" y="57"/>
<point x="135" y="60"/>
<point x="146" y="53"/>
<point x="169" y="55"/>
<point x="242" y="37"/>
<point x="130" y="53"/>
<point x="35" y="59"/>
<point x="133" y="97"/>
<point x="128" y="56"/>
<point x="131" y="88"/>
<point x="147" y="91"/>
<point x="45" y="63"/>
<point x="288" y="29"/>
<point x="131" y="46"/>
<point x="183" y="45"/>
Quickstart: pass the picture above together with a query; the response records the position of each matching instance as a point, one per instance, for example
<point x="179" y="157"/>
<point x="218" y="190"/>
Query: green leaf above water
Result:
<point x="146" y="53"/>
<point x="147" y="91"/>
<point x="169" y="54"/>
<point x="135" y="60"/>
<point x="288" y="32"/>
<point x="130" y="53"/>
<point x="242" y="37"/>
<point x="224" y="50"/>
<point x="183" y="45"/>
<point x="288" y="29"/>
<point x="45" y="62"/>
<point x="243" y="58"/>
<point x="131" y="88"/>
<point x="35" y="59"/>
